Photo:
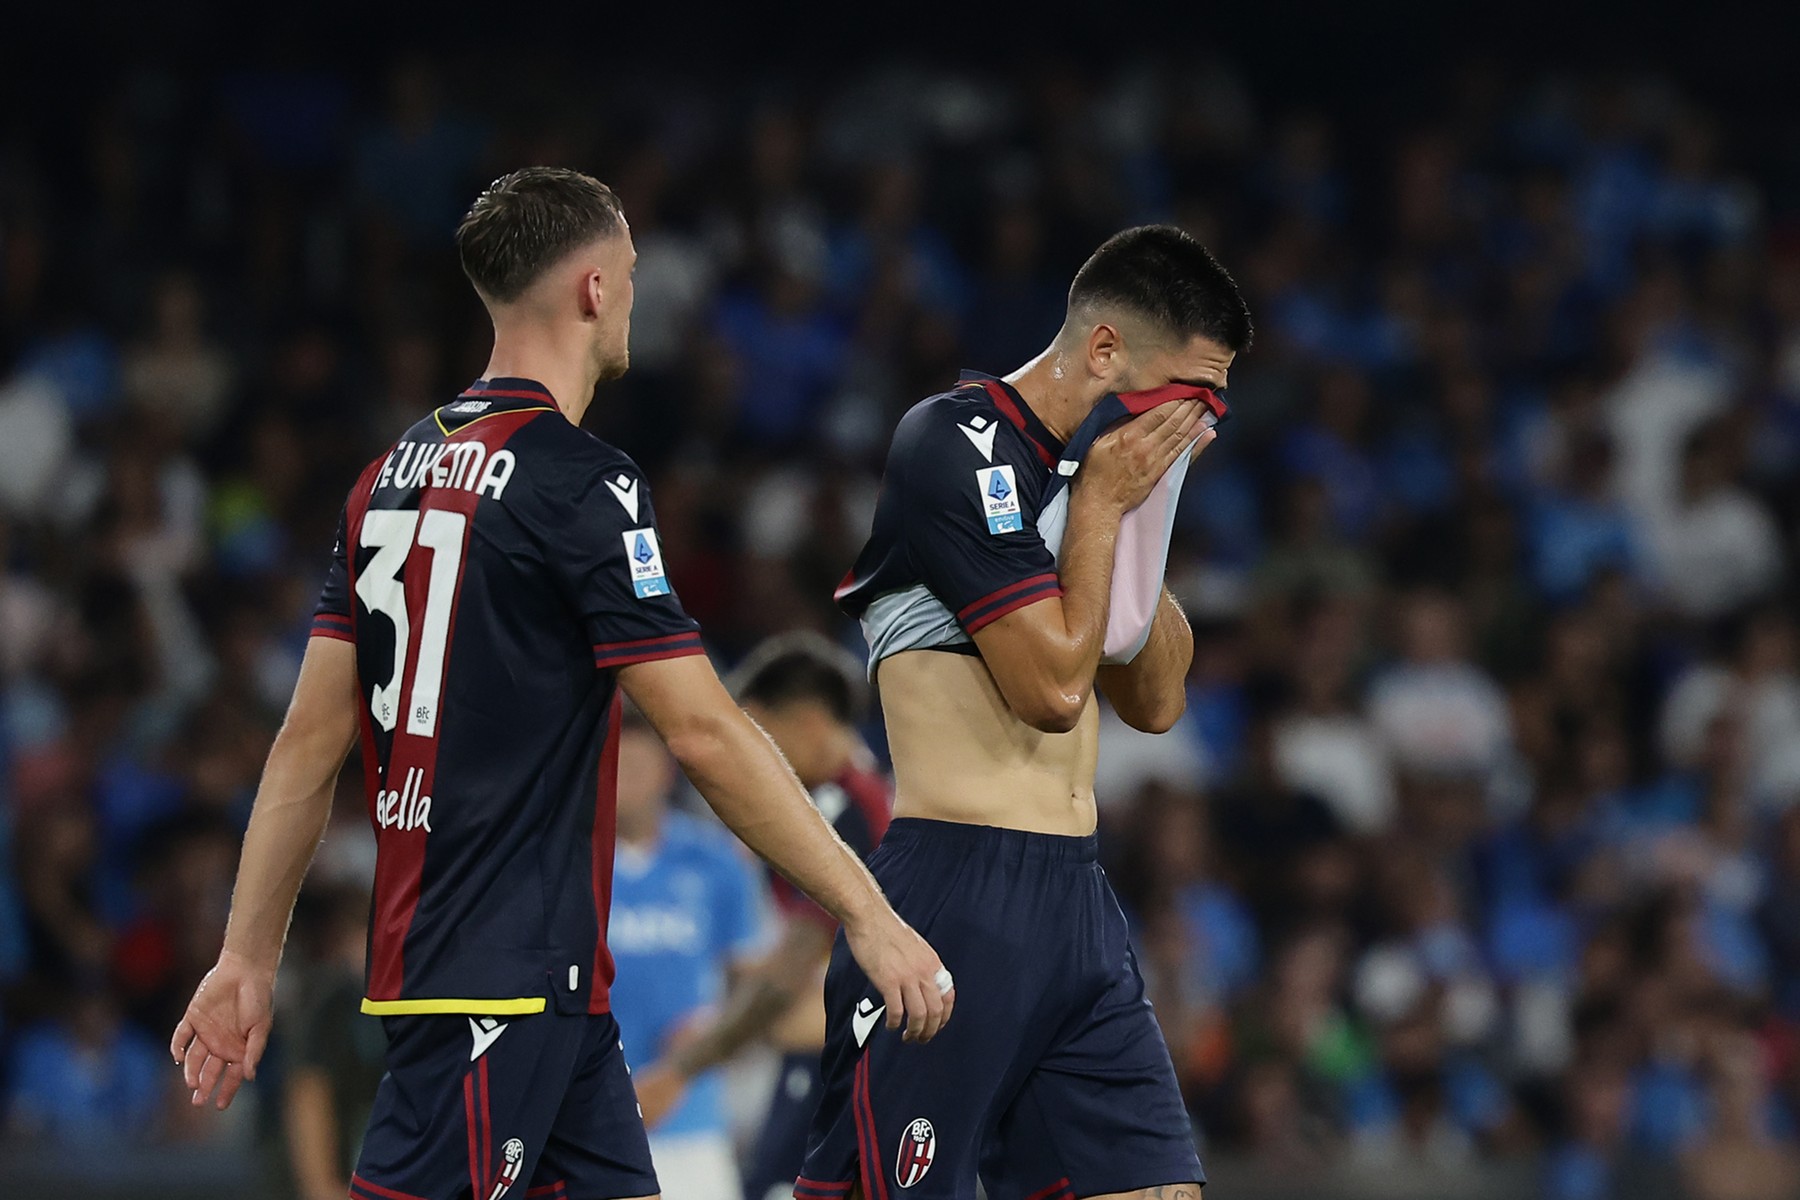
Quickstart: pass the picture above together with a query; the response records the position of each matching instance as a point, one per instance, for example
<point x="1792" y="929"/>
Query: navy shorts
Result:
<point x="779" y="1149"/>
<point x="1051" y="1081"/>
<point x="503" y="1108"/>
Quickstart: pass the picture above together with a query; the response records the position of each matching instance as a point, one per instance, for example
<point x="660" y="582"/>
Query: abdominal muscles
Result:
<point x="961" y="755"/>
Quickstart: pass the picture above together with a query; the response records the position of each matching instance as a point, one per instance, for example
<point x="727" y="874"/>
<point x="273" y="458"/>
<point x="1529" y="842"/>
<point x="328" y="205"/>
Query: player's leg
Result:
<point x="894" y="1115"/>
<point x="596" y="1148"/>
<point x="900" y="1119"/>
<point x="779" y="1148"/>
<point x="466" y="1105"/>
<point x="1101" y="1114"/>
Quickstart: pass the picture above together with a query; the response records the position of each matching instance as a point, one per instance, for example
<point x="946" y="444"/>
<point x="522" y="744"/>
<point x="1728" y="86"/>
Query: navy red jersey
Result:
<point x="858" y="805"/>
<point x="955" y="544"/>
<point x="494" y="570"/>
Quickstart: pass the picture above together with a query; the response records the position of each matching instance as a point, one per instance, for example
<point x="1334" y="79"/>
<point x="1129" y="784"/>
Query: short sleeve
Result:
<point x="332" y="616"/>
<point x="609" y="555"/>
<point x="971" y="519"/>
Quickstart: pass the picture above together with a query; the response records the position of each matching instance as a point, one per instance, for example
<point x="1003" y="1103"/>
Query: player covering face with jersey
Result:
<point x="497" y="586"/>
<point x="988" y="648"/>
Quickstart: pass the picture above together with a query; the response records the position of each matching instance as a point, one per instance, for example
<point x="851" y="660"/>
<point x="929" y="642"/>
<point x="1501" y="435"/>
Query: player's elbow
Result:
<point x="1157" y="714"/>
<point x="1050" y="710"/>
<point x="701" y="744"/>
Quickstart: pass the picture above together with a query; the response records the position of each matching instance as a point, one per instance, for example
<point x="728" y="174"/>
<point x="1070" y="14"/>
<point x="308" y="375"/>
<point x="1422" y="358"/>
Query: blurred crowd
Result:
<point x="1479" y="837"/>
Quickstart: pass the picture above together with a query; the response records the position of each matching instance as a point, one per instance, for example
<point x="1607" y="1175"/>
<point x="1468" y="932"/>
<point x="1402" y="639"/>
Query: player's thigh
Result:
<point x="466" y="1105"/>
<point x="910" y="1118"/>
<point x="1165" y="1191"/>
<point x="596" y="1144"/>
<point x="1101" y="1114"/>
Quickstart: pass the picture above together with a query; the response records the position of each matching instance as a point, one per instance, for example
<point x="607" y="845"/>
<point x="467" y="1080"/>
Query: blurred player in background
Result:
<point x="809" y="696"/>
<point x="496" y="588"/>
<point x="333" y="1056"/>
<point x="1055" y="1082"/>
<point x="687" y="911"/>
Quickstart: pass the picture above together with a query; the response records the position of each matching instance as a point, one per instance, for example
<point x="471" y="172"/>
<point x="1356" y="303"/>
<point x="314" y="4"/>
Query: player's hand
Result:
<point x="906" y="971"/>
<point x="1128" y="459"/>
<point x="222" y="1036"/>
<point x="660" y="1088"/>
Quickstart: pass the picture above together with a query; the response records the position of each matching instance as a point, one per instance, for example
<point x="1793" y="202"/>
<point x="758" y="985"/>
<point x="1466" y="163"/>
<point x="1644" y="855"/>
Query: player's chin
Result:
<point x="614" y="367"/>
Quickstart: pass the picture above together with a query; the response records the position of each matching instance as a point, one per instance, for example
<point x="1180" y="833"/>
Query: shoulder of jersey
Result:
<point x="965" y="413"/>
<point x="556" y="438"/>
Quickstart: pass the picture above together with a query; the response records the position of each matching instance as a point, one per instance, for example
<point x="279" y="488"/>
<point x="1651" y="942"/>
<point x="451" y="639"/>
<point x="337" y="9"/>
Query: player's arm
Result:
<point x="764" y="995"/>
<point x="741" y="774"/>
<point x="226" y="1026"/>
<point x="1150" y="691"/>
<point x="1044" y="656"/>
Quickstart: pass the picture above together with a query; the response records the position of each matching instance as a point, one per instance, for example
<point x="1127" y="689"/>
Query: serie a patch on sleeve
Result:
<point x="1000" y="499"/>
<point x="645" y="555"/>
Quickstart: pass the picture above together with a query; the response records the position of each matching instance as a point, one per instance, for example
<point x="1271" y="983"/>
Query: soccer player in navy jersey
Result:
<point x="497" y="583"/>
<point x="1054" y="1083"/>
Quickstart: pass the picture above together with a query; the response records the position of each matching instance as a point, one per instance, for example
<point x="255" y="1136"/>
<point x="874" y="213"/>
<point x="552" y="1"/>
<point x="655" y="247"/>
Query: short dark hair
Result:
<point x="523" y="223"/>
<point x="1164" y="275"/>
<point x="792" y="667"/>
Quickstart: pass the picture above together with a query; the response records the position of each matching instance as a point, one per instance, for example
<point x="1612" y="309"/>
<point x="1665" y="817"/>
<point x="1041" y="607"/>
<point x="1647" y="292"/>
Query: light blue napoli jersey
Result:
<point x="681" y="914"/>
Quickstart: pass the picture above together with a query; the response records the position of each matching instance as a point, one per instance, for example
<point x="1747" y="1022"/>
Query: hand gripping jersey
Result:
<point x="971" y="515"/>
<point x="494" y="570"/>
<point x="1141" y="556"/>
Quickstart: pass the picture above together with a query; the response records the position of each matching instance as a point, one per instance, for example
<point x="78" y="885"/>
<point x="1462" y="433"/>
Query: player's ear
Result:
<point x="593" y="294"/>
<point x="1105" y="351"/>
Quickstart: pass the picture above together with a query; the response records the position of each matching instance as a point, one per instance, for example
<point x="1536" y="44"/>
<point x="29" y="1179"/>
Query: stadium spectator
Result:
<point x="1717" y="548"/>
<point x="1740" y="1157"/>
<point x="87" y="1079"/>
<point x="1439" y="713"/>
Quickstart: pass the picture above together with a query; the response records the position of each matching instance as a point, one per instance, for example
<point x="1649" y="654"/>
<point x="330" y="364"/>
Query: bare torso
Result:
<point x="961" y="755"/>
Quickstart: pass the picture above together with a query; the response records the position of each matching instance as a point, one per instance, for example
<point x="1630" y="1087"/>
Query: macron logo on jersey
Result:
<point x="1000" y="499"/>
<point x="980" y="431"/>
<point x="486" y="1031"/>
<point x="625" y="491"/>
<point x="862" y="1021"/>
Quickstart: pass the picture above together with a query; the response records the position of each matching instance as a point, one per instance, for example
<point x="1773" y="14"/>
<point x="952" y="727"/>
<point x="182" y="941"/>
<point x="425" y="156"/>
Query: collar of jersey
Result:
<point x="507" y="392"/>
<point x="1012" y="406"/>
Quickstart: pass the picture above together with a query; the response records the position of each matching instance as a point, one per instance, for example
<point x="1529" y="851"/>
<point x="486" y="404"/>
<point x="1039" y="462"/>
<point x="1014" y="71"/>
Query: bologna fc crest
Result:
<point x="918" y="1146"/>
<point x="512" y="1162"/>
